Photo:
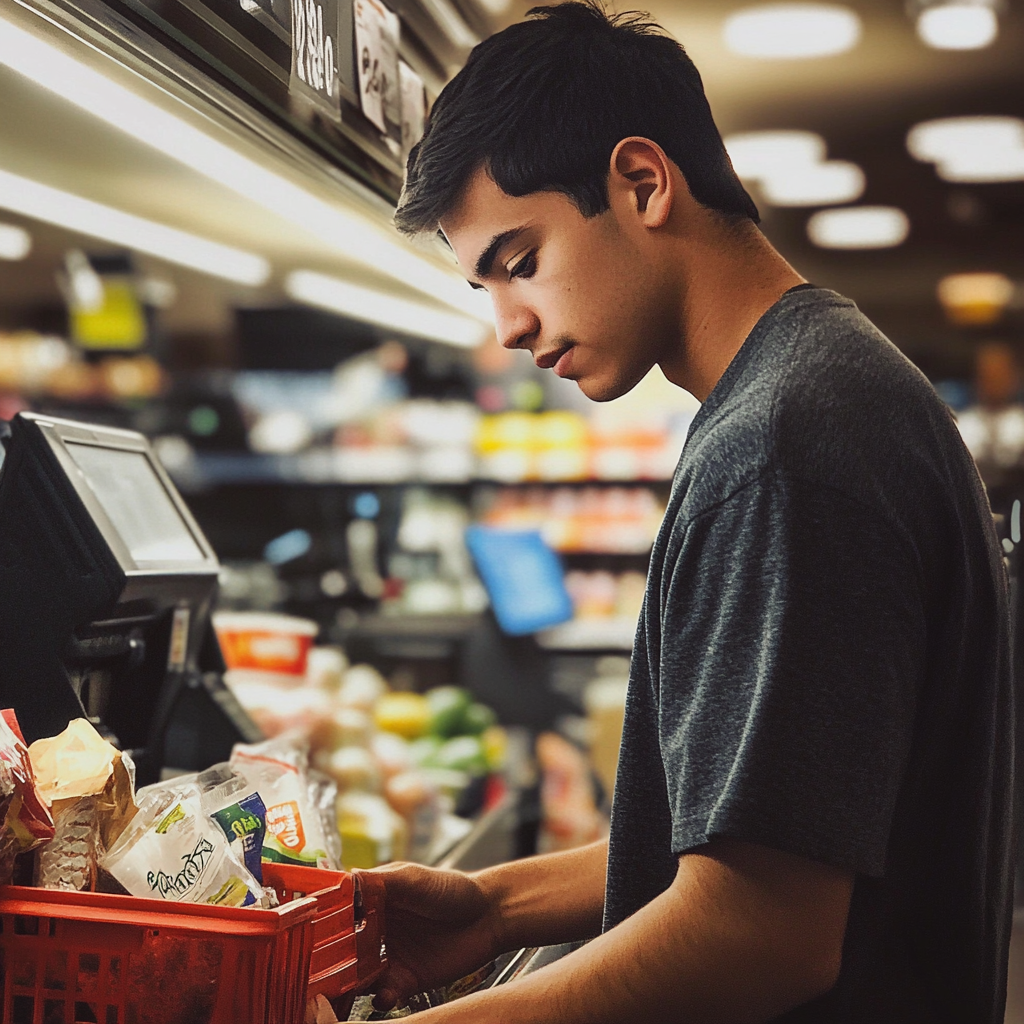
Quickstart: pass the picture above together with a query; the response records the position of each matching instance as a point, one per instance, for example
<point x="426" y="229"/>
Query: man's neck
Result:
<point x="731" y="276"/>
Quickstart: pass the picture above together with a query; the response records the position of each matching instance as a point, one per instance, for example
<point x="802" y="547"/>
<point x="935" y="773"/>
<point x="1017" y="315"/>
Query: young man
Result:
<point x="812" y="818"/>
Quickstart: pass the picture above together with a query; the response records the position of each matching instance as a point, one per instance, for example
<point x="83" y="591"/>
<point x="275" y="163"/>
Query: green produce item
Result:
<point x="463" y="753"/>
<point x="425" y="749"/>
<point x="448" y="706"/>
<point x="477" y="719"/>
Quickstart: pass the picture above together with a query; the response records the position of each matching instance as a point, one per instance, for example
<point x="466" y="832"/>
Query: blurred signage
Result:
<point x="104" y="310"/>
<point x="376" y="38"/>
<point x="315" y="49"/>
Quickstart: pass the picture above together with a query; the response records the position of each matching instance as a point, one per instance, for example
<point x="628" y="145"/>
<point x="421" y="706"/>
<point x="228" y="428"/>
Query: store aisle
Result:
<point x="1015" y="985"/>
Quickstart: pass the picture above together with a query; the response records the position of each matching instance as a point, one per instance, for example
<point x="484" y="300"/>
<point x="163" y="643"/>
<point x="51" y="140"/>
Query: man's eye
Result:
<point x="526" y="266"/>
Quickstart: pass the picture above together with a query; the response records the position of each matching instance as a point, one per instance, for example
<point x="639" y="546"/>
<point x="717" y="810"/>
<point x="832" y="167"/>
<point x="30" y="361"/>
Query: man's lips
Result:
<point x="549" y="359"/>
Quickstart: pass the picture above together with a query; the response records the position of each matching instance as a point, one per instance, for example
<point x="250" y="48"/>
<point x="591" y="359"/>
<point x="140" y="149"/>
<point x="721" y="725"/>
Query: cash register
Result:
<point x="106" y="588"/>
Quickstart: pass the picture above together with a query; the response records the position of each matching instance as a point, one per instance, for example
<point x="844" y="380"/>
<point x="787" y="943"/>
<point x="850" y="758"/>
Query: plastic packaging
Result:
<point x="278" y="770"/>
<point x="89" y="787"/>
<point x="25" y="822"/>
<point x="240" y="812"/>
<point x="172" y="850"/>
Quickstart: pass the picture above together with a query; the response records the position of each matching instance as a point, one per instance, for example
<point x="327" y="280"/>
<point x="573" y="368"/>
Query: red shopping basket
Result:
<point x="92" y="958"/>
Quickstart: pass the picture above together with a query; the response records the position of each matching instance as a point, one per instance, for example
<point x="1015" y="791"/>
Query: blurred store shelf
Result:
<point x="610" y="634"/>
<point x="373" y="467"/>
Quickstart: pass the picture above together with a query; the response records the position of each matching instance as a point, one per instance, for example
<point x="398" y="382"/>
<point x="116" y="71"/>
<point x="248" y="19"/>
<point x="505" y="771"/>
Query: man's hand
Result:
<point x="441" y="926"/>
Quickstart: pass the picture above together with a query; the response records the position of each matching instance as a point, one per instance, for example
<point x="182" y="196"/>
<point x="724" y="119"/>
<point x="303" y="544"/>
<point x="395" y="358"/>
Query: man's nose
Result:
<point x="514" y="323"/>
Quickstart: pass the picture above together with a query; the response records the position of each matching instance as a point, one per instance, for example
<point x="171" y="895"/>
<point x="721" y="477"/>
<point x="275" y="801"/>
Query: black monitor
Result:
<point x="106" y="586"/>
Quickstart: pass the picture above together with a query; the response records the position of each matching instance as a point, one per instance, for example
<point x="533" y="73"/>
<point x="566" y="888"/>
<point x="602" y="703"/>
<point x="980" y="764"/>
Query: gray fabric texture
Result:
<point x="821" y="665"/>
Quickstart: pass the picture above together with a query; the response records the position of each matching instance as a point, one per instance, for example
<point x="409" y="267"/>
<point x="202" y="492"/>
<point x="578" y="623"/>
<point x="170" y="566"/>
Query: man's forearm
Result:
<point x="721" y="945"/>
<point x="542" y="901"/>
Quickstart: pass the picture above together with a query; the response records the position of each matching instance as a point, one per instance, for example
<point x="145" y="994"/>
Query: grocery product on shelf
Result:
<point x="612" y="520"/>
<point x="424" y="755"/>
<point x="264" y="642"/>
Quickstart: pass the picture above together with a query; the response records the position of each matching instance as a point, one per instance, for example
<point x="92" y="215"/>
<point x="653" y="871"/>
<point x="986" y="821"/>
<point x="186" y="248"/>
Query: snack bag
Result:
<point x="277" y="770"/>
<point x="239" y="810"/>
<point x="25" y="822"/>
<point x="89" y="786"/>
<point x="172" y="850"/>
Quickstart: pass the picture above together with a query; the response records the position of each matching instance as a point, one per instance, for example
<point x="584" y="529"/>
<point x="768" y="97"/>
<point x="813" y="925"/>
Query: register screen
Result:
<point x="137" y="503"/>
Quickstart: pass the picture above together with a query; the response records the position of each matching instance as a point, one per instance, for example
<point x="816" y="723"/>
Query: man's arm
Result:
<point x="743" y="934"/>
<point x="542" y="901"/>
<point x="443" y="925"/>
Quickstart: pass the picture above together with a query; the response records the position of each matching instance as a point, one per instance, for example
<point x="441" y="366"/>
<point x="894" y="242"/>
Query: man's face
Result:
<point x="582" y="295"/>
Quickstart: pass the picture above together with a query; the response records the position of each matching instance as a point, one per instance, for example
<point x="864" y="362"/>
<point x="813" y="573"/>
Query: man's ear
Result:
<point x="641" y="172"/>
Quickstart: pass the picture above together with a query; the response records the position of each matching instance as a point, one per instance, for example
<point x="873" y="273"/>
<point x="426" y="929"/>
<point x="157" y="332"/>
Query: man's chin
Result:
<point x="604" y="390"/>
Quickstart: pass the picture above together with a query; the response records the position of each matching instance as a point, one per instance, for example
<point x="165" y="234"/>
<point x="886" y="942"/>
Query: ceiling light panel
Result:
<point x="346" y="230"/>
<point x="859" y="227"/>
<point x="792" y="170"/>
<point x="792" y="31"/>
<point x="958" y="26"/>
<point x="15" y="242"/>
<point x="385" y="310"/>
<point x="971" y="149"/>
<point x="835" y="181"/>
<point x="756" y="155"/>
<point x="30" y="198"/>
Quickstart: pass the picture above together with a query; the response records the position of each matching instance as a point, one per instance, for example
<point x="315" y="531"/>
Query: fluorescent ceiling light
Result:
<point x="385" y="310"/>
<point x="792" y="31"/>
<point x="792" y="170"/>
<point x="452" y="24"/>
<point x="351" y="233"/>
<point x="861" y="227"/>
<point x="756" y="155"/>
<point x="971" y="149"/>
<point x="958" y="26"/>
<point x="20" y="195"/>
<point x="835" y="181"/>
<point x="15" y="242"/>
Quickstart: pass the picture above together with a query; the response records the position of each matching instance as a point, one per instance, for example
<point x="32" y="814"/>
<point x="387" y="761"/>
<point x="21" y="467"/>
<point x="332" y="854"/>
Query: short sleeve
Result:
<point x="792" y="648"/>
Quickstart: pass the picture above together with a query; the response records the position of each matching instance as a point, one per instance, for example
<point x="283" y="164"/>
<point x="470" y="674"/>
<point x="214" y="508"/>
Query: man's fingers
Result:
<point x="429" y="892"/>
<point x="385" y="1000"/>
<point x="397" y="986"/>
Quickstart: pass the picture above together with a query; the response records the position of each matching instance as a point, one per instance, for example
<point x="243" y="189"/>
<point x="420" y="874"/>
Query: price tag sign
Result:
<point x="376" y="59"/>
<point x="390" y="80"/>
<point x="315" y="27"/>
<point x="414" y="105"/>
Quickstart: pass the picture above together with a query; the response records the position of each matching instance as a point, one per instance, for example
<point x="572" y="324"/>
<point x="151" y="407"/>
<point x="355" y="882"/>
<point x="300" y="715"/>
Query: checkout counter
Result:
<point x="107" y="586"/>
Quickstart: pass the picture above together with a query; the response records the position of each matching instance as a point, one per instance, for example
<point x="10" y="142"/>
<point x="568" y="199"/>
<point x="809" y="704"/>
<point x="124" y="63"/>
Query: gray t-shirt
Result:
<point x="822" y="665"/>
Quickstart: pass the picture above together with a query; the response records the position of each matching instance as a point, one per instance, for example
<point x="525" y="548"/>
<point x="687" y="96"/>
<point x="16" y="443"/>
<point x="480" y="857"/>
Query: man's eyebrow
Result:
<point x="486" y="260"/>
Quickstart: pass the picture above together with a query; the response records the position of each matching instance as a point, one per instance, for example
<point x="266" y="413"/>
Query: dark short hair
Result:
<point x="543" y="104"/>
